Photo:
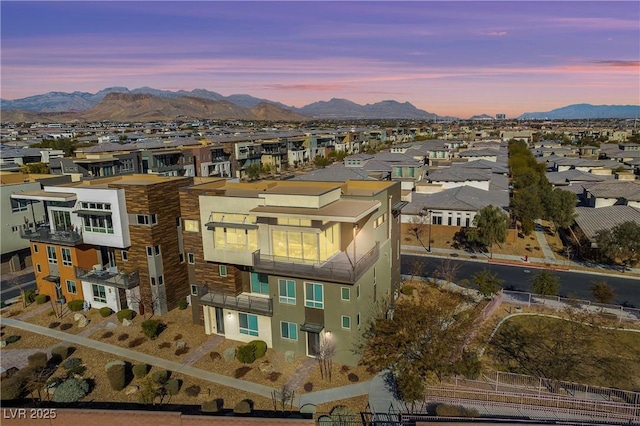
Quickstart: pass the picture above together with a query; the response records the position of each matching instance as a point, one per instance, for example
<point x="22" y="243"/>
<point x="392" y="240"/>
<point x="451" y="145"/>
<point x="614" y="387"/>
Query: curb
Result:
<point x="528" y="265"/>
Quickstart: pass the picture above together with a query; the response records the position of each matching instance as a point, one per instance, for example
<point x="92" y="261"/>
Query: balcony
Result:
<point x="161" y="168"/>
<point x="242" y="302"/>
<point x="122" y="279"/>
<point x="46" y="235"/>
<point x="338" y="269"/>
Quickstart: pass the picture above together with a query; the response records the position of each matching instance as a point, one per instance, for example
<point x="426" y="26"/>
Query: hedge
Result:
<point x="456" y="411"/>
<point x="160" y="377"/>
<point x="76" y="305"/>
<point x="29" y="296"/>
<point x="213" y="406"/>
<point x="71" y="390"/>
<point x="172" y="387"/>
<point x="246" y="354"/>
<point x="38" y="359"/>
<point x="60" y="353"/>
<point x="150" y="328"/>
<point x="117" y="376"/>
<point x="140" y="370"/>
<point x="182" y="304"/>
<point x="125" y="313"/>
<point x="260" y="347"/>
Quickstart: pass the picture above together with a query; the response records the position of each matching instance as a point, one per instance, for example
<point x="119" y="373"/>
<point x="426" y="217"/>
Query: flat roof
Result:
<point x="42" y="195"/>
<point x="350" y="211"/>
<point x="133" y="179"/>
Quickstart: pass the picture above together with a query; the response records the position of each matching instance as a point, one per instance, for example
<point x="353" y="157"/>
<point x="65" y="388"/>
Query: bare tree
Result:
<point x="447" y="270"/>
<point x="325" y="353"/>
<point x="281" y="397"/>
<point x="14" y="282"/>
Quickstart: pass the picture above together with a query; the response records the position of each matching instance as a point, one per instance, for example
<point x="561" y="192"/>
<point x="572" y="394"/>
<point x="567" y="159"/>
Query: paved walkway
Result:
<point x="202" y="350"/>
<point x="301" y="375"/>
<point x="543" y="243"/>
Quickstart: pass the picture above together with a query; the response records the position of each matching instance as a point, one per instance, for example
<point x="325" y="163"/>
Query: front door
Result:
<point x="220" y="320"/>
<point x="313" y="343"/>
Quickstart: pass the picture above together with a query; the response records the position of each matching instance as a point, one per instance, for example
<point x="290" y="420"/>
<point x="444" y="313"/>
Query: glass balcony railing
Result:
<point x="114" y="278"/>
<point x="46" y="235"/>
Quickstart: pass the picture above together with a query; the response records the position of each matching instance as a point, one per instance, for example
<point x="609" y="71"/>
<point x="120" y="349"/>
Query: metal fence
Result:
<point x="560" y="303"/>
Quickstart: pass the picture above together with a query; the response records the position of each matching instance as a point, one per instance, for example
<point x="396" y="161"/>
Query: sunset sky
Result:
<point x="449" y="58"/>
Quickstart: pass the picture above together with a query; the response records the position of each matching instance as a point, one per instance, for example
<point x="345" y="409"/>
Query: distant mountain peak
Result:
<point x="585" y="111"/>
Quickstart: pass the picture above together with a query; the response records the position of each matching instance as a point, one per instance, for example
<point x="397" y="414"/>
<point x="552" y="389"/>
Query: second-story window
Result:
<point x="66" y="256"/>
<point x="51" y="254"/>
<point x="100" y="224"/>
<point x="314" y="295"/>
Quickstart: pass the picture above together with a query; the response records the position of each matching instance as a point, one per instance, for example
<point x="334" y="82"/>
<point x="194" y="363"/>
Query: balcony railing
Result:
<point x="166" y="167"/>
<point x="338" y="269"/>
<point x="46" y="235"/>
<point x="242" y="302"/>
<point x="121" y="279"/>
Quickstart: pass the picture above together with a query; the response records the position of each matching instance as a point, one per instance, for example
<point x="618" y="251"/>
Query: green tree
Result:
<point x="35" y="168"/>
<point x="320" y="162"/>
<point x="602" y="291"/>
<point x="253" y="171"/>
<point x="487" y="282"/>
<point x="526" y="206"/>
<point x="560" y="208"/>
<point x="422" y="335"/>
<point x="622" y="242"/>
<point x="545" y="283"/>
<point x="491" y="227"/>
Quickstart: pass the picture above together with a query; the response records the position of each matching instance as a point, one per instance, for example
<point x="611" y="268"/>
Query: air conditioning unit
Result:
<point x="98" y="267"/>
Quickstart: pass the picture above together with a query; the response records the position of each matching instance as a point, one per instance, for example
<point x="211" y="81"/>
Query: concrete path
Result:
<point x="202" y="350"/>
<point x="543" y="243"/>
<point x="302" y="374"/>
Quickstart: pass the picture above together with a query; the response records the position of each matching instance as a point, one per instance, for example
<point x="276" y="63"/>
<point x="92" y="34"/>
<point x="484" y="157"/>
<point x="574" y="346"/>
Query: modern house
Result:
<point x="114" y="241"/>
<point x="296" y="264"/>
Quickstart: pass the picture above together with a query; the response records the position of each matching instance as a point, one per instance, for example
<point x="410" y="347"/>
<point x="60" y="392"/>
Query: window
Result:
<point x="66" y="256"/>
<point x="153" y="281"/>
<point x="156" y="249"/>
<point x="191" y="258"/>
<point x="101" y="224"/>
<point x="194" y="289"/>
<point x="289" y="330"/>
<point x="287" y="291"/>
<point x="345" y="293"/>
<point x="358" y="291"/>
<point x="235" y="239"/>
<point x="125" y="255"/>
<point x="160" y="280"/>
<point x="248" y="324"/>
<point x="71" y="287"/>
<point x="35" y="248"/>
<point x="149" y="251"/>
<point x="346" y="321"/>
<point x="181" y="257"/>
<point x="358" y="320"/>
<point x="259" y="283"/>
<point x="142" y="219"/>
<point x="99" y="294"/>
<point x="191" y="226"/>
<point x="314" y="296"/>
<point x="95" y="206"/>
<point x="38" y="268"/>
<point x="51" y="254"/>
<point x="380" y="220"/>
<point x="222" y="270"/>
<point x="154" y="219"/>
<point x="437" y="220"/>
<point x="18" y="205"/>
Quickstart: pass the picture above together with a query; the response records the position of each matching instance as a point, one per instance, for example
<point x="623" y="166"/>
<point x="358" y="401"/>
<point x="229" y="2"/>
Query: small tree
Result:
<point x="621" y="242"/>
<point x="491" y="227"/>
<point x="602" y="292"/>
<point x="545" y="283"/>
<point x="487" y="282"/>
<point x="324" y="354"/>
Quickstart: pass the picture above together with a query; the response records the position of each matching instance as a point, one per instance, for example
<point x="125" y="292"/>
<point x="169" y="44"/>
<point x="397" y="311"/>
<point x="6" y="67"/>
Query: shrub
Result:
<point x="122" y="337"/>
<point x="241" y="372"/>
<point x="273" y="376"/>
<point x="140" y="370"/>
<point x="136" y="342"/>
<point x="407" y="290"/>
<point x="11" y="387"/>
<point x="345" y="369"/>
<point x="193" y="390"/>
<point x="71" y="390"/>
<point x="260" y="347"/>
<point x="54" y="324"/>
<point x="41" y="299"/>
<point x="172" y="387"/>
<point x="308" y="387"/>
<point x="243" y="407"/>
<point x="106" y="334"/>
<point x="181" y="351"/>
<point x="214" y="356"/>
<point x="341" y="414"/>
<point x="455" y="411"/>
<point x="150" y="328"/>
<point x="76" y="305"/>
<point x="12" y="339"/>
<point x="353" y="377"/>
<point x="65" y="326"/>
<point x="182" y="304"/>
<point x="30" y="295"/>
<point x="105" y="311"/>
<point x="246" y="354"/>
<point x="38" y="359"/>
<point x="177" y="337"/>
<point x="110" y="364"/>
<point x="59" y="353"/>
<point x="213" y="406"/>
<point x="72" y="363"/>
<point x="164" y="345"/>
<point x="160" y="377"/>
<point x="125" y="313"/>
<point x="117" y="376"/>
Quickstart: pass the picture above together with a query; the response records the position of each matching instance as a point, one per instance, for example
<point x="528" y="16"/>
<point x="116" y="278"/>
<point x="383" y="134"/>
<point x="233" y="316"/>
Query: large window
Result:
<point x="71" y="287"/>
<point x="95" y="206"/>
<point x="314" y="297"/>
<point x="307" y="246"/>
<point x="287" y="291"/>
<point x="147" y="219"/>
<point x="236" y="239"/>
<point x="99" y="294"/>
<point x="289" y="330"/>
<point x="259" y="283"/>
<point x="101" y="224"/>
<point x="51" y="254"/>
<point x="66" y="256"/>
<point x="18" y="205"/>
<point x="191" y="226"/>
<point x="346" y="321"/>
<point x="248" y="324"/>
<point x="345" y="293"/>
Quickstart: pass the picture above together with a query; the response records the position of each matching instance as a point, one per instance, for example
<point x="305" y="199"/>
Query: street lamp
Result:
<point x="430" y="220"/>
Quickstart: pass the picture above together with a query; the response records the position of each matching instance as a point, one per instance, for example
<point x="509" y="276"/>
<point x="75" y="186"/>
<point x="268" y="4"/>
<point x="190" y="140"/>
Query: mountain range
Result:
<point x="148" y="104"/>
